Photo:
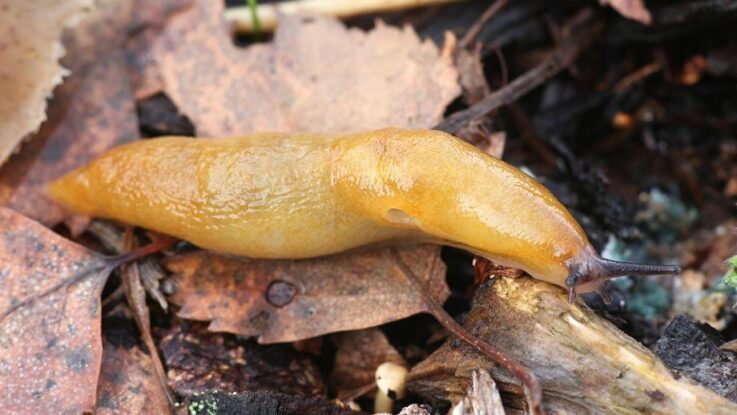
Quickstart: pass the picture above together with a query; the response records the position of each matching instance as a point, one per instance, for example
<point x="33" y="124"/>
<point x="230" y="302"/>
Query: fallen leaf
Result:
<point x="30" y="50"/>
<point x="128" y="384"/>
<point x="358" y="355"/>
<point x="285" y="301"/>
<point x="149" y="19"/>
<point x="631" y="9"/>
<point x="50" y="349"/>
<point x="90" y="113"/>
<point x="198" y="361"/>
<point x="385" y="77"/>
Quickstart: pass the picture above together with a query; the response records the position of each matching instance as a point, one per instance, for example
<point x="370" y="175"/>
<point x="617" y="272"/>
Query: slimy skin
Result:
<point x="308" y="195"/>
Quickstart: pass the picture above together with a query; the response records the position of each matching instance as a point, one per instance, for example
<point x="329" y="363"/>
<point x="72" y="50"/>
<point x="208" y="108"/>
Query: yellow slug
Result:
<point x="307" y="195"/>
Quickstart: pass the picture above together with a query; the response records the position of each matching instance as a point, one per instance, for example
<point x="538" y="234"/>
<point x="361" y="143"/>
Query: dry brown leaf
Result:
<point x="358" y="355"/>
<point x="128" y="384"/>
<point x="631" y="9"/>
<point x="91" y="112"/>
<point x="315" y="76"/>
<point x="50" y="349"/>
<point x="150" y="17"/>
<point x="285" y="301"/>
<point x="29" y="51"/>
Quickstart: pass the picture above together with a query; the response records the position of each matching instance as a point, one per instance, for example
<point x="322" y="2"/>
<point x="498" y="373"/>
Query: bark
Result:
<point x="584" y="363"/>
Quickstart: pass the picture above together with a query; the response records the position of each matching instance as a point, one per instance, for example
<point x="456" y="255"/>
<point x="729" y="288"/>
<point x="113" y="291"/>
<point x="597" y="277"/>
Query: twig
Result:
<point x="522" y="373"/>
<point x="474" y="31"/>
<point x="564" y="55"/>
<point x="242" y="17"/>
<point x="638" y="75"/>
<point x="136" y="296"/>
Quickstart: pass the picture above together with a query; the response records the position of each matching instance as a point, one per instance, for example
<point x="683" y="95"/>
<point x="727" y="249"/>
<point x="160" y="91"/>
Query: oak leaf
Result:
<point x="285" y="301"/>
<point x="315" y="75"/>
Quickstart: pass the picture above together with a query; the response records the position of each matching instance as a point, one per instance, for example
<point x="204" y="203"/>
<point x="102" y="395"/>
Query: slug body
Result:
<point x="307" y="195"/>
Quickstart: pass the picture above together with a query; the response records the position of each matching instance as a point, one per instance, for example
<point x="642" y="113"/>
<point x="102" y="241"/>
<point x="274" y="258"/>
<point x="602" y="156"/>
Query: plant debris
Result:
<point x="93" y="111"/>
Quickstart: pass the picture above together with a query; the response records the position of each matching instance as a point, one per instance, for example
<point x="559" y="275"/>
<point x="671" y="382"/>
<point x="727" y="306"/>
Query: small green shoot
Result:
<point x="253" y="6"/>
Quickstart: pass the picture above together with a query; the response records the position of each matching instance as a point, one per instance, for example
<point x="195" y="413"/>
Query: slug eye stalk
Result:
<point x="597" y="270"/>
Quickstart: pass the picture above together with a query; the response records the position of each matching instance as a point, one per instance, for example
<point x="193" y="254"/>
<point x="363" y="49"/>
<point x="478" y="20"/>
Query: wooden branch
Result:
<point x="584" y="363"/>
<point x="565" y="54"/>
<point x="268" y="14"/>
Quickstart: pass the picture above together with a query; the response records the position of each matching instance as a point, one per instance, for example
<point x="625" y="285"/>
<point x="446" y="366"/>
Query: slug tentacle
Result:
<point x="594" y="270"/>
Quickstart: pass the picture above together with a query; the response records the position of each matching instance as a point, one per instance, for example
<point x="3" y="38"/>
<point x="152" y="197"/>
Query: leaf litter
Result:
<point x="400" y="81"/>
<point x="92" y="111"/>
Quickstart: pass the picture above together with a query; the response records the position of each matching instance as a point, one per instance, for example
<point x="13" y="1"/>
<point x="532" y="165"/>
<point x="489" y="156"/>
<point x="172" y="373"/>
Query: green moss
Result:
<point x="730" y="278"/>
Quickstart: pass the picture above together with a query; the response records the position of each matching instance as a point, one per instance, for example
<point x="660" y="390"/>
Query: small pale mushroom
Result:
<point x="391" y="381"/>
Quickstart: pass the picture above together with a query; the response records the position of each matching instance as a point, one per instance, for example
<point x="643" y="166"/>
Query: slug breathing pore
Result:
<point x="307" y="195"/>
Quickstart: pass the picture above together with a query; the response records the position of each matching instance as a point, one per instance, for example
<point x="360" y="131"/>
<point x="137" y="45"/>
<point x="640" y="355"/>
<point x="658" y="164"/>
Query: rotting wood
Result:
<point x="584" y="363"/>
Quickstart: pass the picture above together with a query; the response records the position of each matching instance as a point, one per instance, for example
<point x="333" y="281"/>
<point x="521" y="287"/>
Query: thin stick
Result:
<point x="474" y="31"/>
<point x="136" y="296"/>
<point x="563" y="56"/>
<point x="636" y="76"/>
<point x="433" y="307"/>
<point x="268" y="14"/>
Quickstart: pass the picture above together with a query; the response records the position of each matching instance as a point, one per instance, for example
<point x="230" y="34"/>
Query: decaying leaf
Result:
<point x="199" y="361"/>
<point x="386" y="77"/>
<point x="150" y="17"/>
<point x="128" y="384"/>
<point x="50" y="349"/>
<point x="631" y="9"/>
<point x="91" y="112"/>
<point x="30" y="49"/>
<point x="358" y="355"/>
<point x="284" y="301"/>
